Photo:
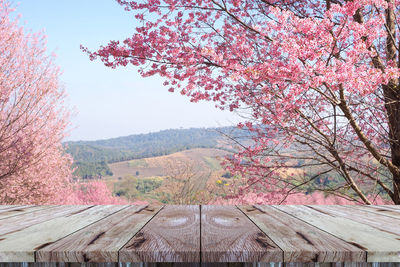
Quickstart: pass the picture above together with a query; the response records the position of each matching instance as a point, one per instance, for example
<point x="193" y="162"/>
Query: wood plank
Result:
<point x="229" y="236"/>
<point x="395" y="207"/>
<point x="240" y="264"/>
<point x="19" y="246"/>
<point x="9" y="207"/>
<point x="5" y="207"/>
<point x="384" y="223"/>
<point x="20" y="210"/>
<point x="339" y="264"/>
<point x="100" y="241"/>
<point x="378" y="210"/>
<point x="300" y="241"/>
<point x="228" y="264"/>
<point x="22" y="221"/>
<point x="392" y="207"/>
<point x="381" y="246"/>
<point x="173" y="235"/>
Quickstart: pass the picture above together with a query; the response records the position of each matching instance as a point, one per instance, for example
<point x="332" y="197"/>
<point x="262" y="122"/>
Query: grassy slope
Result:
<point x="146" y="145"/>
<point x="91" y="157"/>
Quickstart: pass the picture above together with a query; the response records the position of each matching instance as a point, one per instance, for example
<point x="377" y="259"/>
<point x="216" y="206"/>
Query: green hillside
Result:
<point x="91" y="157"/>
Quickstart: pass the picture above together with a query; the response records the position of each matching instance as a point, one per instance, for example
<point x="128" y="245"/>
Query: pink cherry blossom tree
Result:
<point x="316" y="80"/>
<point x="94" y="192"/>
<point x="34" y="169"/>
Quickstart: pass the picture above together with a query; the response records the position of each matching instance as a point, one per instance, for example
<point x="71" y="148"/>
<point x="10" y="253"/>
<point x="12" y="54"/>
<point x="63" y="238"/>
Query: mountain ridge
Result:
<point x="91" y="157"/>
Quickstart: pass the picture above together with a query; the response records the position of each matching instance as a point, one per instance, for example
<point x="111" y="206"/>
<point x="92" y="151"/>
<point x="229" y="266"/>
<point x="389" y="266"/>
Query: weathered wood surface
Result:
<point x="301" y="241"/>
<point x="14" y="223"/>
<point x="203" y="234"/>
<point x="18" y="210"/>
<point x="394" y="207"/>
<point x="381" y="246"/>
<point x="20" y="245"/>
<point x="5" y="207"/>
<point x="203" y="264"/>
<point x="385" y="223"/>
<point x="101" y="241"/>
<point x="379" y="210"/>
<point x="229" y="236"/>
<point x="173" y="236"/>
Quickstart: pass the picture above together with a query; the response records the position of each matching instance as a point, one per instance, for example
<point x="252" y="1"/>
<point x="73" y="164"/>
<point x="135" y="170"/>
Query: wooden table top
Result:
<point x="118" y="233"/>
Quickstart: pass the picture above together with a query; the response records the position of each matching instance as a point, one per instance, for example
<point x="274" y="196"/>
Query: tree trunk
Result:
<point x="392" y="104"/>
<point x="392" y="101"/>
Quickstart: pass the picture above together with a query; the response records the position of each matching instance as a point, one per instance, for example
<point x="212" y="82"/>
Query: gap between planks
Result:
<point x="381" y="246"/>
<point x="162" y="207"/>
<point x="230" y="236"/>
<point x="16" y="247"/>
<point x="300" y="241"/>
<point x="171" y="236"/>
<point x="100" y="241"/>
<point x="391" y="215"/>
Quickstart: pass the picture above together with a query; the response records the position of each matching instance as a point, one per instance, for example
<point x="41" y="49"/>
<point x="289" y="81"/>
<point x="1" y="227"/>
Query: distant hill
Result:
<point x="161" y="179"/>
<point x="91" y="157"/>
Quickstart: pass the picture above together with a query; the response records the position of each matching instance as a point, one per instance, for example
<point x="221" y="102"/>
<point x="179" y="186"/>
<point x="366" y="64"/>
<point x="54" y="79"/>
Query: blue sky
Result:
<point x="109" y="102"/>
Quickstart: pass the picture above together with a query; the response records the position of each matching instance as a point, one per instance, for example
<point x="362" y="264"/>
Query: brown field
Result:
<point x="201" y="165"/>
<point x="205" y="158"/>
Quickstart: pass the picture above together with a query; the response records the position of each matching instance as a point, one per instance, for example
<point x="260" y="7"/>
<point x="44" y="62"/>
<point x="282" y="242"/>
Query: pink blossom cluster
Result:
<point x="316" y="198"/>
<point x="34" y="169"/>
<point x="308" y="75"/>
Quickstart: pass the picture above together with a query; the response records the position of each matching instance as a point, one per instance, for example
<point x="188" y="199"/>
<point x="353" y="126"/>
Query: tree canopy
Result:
<point x="322" y="75"/>
<point x="34" y="168"/>
<point x="33" y="119"/>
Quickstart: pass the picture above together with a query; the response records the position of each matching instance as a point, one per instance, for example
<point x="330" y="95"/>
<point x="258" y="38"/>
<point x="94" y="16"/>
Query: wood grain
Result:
<point x="5" y="207"/>
<point x="300" y="241"/>
<point x="19" y="246"/>
<point x="190" y="234"/>
<point x="20" y="210"/>
<point x="173" y="235"/>
<point x="229" y="236"/>
<point x="384" y="223"/>
<point x="389" y="207"/>
<point x="394" y="207"/>
<point x="377" y="211"/>
<point x="24" y="220"/>
<point x="240" y="264"/>
<point x="380" y="245"/>
<point x="100" y="241"/>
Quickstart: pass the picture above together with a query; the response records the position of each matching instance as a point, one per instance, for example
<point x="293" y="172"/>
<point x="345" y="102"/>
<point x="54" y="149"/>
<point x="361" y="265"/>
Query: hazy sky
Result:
<point x="109" y="102"/>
